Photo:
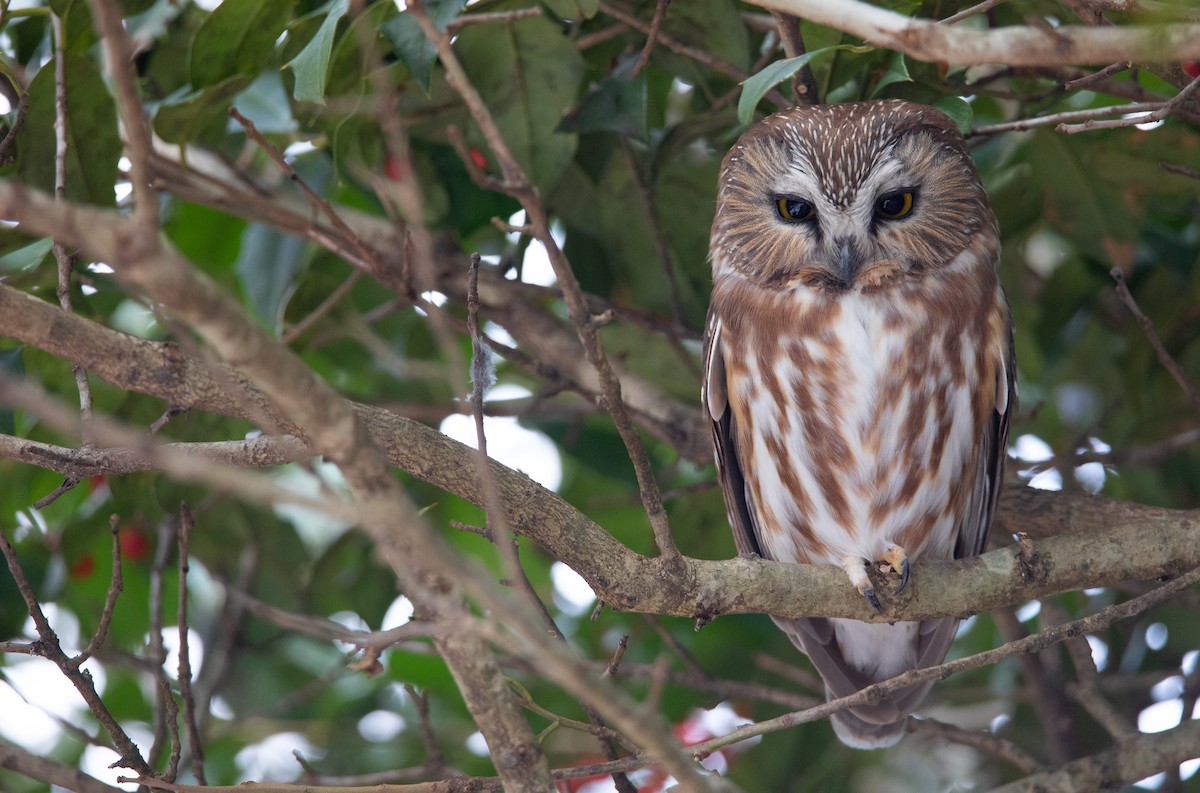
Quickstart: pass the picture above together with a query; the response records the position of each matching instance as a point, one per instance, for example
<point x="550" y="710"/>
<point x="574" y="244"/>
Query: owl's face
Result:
<point x="849" y="197"/>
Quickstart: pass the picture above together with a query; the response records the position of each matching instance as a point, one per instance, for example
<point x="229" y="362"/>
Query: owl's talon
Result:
<point x="897" y="559"/>
<point x="856" y="571"/>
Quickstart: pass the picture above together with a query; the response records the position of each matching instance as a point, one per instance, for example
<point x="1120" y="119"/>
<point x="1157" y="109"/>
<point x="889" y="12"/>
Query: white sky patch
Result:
<point x="498" y="333"/>
<point x="298" y="148"/>
<point x="207" y="5"/>
<point x="1161" y="716"/>
<point x="380" y="726"/>
<point x="1169" y="688"/>
<point x="1091" y="476"/>
<point x="218" y="706"/>
<point x="353" y="621"/>
<point x="476" y="744"/>
<point x="536" y="267"/>
<point x="571" y="593"/>
<point x="1045" y="252"/>
<point x="1190" y="660"/>
<point x="508" y="442"/>
<point x="132" y="317"/>
<point x="171" y="643"/>
<point x="1099" y="652"/>
<point x="272" y="758"/>
<point x="399" y="613"/>
<point x="1156" y="636"/>
<point x="1032" y="449"/>
<point x="5" y="105"/>
<point x="24" y="724"/>
<point x="1029" y="611"/>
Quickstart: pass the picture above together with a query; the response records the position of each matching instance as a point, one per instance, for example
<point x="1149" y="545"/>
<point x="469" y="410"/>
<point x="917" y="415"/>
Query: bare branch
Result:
<point x="1015" y="45"/>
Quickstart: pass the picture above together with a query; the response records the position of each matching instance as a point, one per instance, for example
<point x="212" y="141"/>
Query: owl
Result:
<point x="859" y="370"/>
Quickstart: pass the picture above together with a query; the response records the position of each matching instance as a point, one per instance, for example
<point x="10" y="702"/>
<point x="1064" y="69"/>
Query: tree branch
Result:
<point x="1016" y="45"/>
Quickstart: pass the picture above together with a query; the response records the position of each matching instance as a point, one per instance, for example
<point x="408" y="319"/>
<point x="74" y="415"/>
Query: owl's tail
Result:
<point x="880" y="724"/>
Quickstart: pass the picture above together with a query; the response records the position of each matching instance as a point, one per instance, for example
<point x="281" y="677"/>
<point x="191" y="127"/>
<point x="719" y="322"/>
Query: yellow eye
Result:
<point x="794" y="209"/>
<point x="895" y="205"/>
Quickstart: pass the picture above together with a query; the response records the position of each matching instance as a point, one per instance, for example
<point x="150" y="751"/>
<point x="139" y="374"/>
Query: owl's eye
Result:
<point x="894" y="205"/>
<point x="794" y="209"/>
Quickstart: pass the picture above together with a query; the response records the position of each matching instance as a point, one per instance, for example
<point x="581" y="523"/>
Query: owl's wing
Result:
<point x="977" y="523"/>
<point x="729" y="470"/>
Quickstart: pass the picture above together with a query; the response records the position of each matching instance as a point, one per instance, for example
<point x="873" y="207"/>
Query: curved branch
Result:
<point x="1103" y="541"/>
<point x="1015" y="45"/>
<point x="1132" y="759"/>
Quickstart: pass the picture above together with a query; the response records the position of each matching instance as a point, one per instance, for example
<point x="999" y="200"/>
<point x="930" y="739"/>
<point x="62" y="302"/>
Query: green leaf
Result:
<point x="757" y="86"/>
<point x="411" y="44"/>
<point x="237" y="38"/>
<point x="897" y="72"/>
<point x="311" y="66"/>
<point x="615" y="104"/>
<point x="198" y="116"/>
<point x="93" y="145"/>
<point x="714" y="26"/>
<point x="959" y="111"/>
<point x="573" y="9"/>
<point x="528" y="73"/>
<point x="267" y="267"/>
<point x="26" y="257"/>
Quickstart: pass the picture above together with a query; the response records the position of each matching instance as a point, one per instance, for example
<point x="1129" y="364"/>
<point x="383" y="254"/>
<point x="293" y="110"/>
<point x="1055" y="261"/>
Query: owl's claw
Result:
<point x="897" y="559"/>
<point x="856" y="571"/>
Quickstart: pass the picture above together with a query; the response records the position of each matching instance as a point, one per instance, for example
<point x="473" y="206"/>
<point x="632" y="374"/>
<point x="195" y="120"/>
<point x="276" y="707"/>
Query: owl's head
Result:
<point x="849" y="197"/>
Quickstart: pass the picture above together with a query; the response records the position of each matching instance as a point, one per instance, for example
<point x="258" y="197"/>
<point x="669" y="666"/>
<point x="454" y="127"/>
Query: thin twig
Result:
<point x="518" y="185"/>
<point x="1103" y="74"/>
<point x="18" y="122"/>
<point x="332" y="299"/>
<point x="979" y="8"/>
<point x="1182" y="170"/>
<point x="48" y="646"/>
<point x="183" y="539"/>
<point x="119" y="57"/>
<point x="493" y="18"/>
<point x="115" y="586"/>
<point x="156" y="652"/>
<point x="366" y="257"/>
<point x="1155" y="115"/>
<point x="656" y="23"/>
<point x="64" y="259"/>
<point x="1164" y="357"/>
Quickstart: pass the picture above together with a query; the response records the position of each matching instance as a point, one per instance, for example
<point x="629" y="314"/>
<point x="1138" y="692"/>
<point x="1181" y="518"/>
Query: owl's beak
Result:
<point x="849" y="259"/>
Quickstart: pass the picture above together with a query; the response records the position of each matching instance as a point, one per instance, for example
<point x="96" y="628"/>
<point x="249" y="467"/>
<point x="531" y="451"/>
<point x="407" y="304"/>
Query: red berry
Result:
<point x="396" y="170"/>
<point x="1192" y="68"/>
<point x="477" y="157"/>
<point x="82" y="567"/>
<point x="135" y="543"/>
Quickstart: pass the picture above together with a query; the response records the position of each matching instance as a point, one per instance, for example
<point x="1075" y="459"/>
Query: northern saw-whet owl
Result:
<point x="859" y="369"/>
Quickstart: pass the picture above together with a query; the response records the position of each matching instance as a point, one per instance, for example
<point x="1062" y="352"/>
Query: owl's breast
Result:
<point x="856" y="419"/>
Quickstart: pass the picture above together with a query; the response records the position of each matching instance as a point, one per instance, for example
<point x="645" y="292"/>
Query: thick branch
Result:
<point x="1016" y="45"/>
<point x="1130" y="760"/>
<point x="1125" y="541"/>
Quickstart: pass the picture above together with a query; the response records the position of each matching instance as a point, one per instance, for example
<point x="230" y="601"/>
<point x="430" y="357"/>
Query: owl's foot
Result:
<point x="896" y="558"/>
<point x="856" y="571"/>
